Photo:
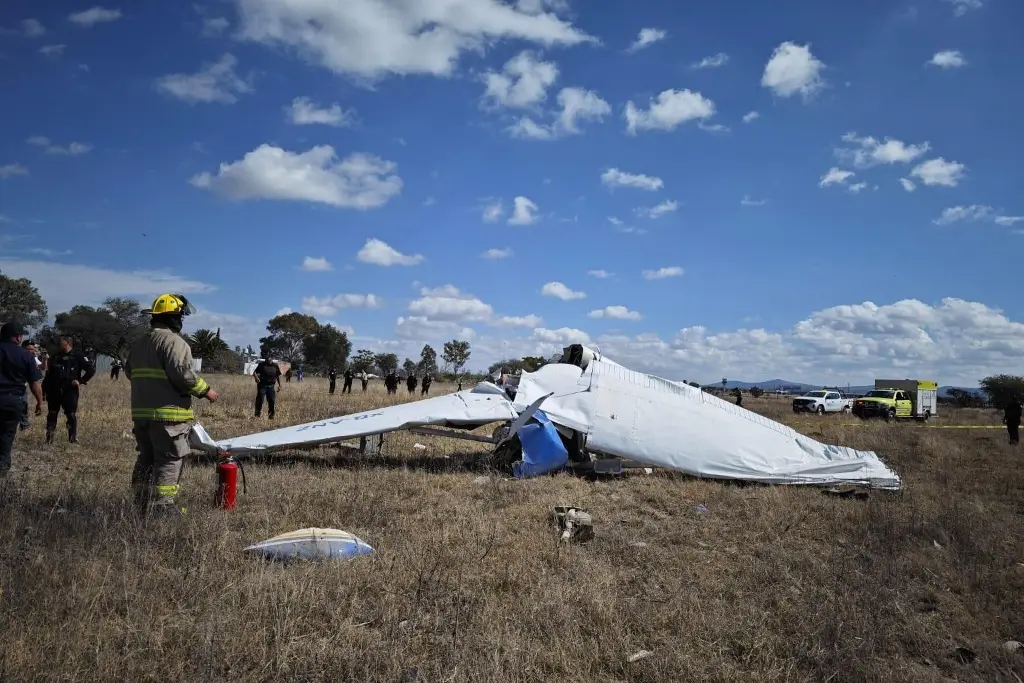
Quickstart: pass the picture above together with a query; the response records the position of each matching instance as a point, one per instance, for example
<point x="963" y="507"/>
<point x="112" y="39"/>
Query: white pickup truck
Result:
<point x="822" y="402"/>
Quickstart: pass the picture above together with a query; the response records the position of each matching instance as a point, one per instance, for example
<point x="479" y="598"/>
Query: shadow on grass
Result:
<point x="353" y="460"/>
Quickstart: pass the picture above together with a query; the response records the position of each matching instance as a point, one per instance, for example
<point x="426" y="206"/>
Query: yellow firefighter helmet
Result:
<point x="173" y="304"/>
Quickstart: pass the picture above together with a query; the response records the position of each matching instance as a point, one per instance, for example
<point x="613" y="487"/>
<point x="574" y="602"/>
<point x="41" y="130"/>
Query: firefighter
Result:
<point x="410" y="383"/>
<point x="1011" y="418"/>
<point x="349" y="376"/>
<point x="266" y="374"/>
<point x="332" y="377"/>
<point x="159" y="367"/>
<point x="69" y="371"/>
<point x="17" y="368"/>
<point x="427" y="380"/>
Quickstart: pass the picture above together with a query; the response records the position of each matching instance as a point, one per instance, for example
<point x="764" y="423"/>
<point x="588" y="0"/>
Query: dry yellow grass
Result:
<point x="468" y="583"/>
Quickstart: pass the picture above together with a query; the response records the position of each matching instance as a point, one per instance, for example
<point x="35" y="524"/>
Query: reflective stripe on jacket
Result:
<point x="163" y="382"/>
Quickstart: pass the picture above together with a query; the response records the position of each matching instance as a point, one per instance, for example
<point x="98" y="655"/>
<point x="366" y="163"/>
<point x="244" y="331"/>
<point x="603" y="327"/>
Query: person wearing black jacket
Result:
<point x="332" y="377"/>
<point x="1011" y="418"/>
<point x="68" y="370"/>
<point x="17" y="369"/>
<point x="347" y="387"/>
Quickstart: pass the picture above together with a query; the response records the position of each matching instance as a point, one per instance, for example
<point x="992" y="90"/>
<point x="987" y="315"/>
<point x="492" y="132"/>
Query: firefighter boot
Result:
<point x="163" y="504"/>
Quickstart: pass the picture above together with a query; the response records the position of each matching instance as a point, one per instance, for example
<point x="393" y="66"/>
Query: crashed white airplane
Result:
<point x="588" y="412"/>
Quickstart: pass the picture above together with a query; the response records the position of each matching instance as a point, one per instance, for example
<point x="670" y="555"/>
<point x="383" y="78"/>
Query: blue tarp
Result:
<point x="543" y="450"/>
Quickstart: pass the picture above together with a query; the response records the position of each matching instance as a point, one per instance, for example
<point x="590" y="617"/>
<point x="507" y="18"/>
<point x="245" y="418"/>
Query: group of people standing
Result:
<point x="391" y="381"/>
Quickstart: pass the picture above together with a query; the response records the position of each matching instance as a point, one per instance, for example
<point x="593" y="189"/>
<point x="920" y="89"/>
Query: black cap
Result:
<point x="12" y="329"/>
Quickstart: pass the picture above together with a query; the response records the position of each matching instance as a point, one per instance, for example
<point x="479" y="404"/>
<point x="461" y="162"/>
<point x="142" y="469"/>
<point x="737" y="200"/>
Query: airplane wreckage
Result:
<point x="588" y="413"/>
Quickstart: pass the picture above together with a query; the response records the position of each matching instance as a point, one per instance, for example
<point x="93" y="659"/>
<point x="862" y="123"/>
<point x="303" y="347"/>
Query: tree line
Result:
<point x="111" y="328"/>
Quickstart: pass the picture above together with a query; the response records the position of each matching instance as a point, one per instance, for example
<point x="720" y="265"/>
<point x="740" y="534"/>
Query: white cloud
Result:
<point x="669" y="110"/>
<point x="214" y="82"/>
<point x="614" y="221"/>
<point x="662" y="273"/>
<point x="646" y="38"/>
<point x="73" y="149"/>
<point x="576" y="105"/>
<point x="421" y="329"/>
<point x="32" y="28"/>
<point x="372" y="39"/>
<point x="522" y="83"/>
<point x="615" y="312"/>
<point x="496" y="254"/>
<point x="560" y="291"/>
<point x="969" y="214"/>
<point x="316" y="265"/>
<point x="523" y="212"/>
<point x="11" y="170"/>
<point x="747" y="201"/>
<point x="751" y="116"/>
<point x="613" y="177"/>
<point x="908" y="184"/>
<point x="64" y="285"/>
<point x="961" y="7"/>
<point x="659" y="210"/>
<point x="939" y="172"/>
<point x="518" y="321"/>
<point x="449" y="303"/>
<point x="214" y="26"/>
<point x="95" y="15"/>
<point x="303" y="112"/>
<point x="600" y="274"/>
<point x="856" y="188"/>
<point x="793" y="69"/>
<point x="493" y="211"/>
<point x="948" y="59"/>
<point x="1008" y="220"/>
<point x="561" y="336"/>
<point x="541" y="6"/>
<point x="872" y="152"/>
<point x="359" y="181"/>
<point x="712" y="62"/>
<point x="380" y="253"/>
<point x="52" y="50"/>
<point x="835" y="176"/>
<point x="332" y="304"/>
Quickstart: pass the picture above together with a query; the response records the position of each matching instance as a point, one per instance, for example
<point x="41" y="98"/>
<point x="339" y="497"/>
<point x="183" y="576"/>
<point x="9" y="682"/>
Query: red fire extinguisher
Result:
<point x="227" y="481"/>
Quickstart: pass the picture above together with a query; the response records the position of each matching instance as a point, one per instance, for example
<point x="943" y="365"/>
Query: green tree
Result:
<point x="456" y="354"/>
<point x="109" y="329"/>
<point x="510" y="365"/>
<point x="409" y="366"/>
<point x="532" y="363"/>
<point x="1001" y="389"/>
<point x="756" y="392"/>
<point x="19" y="300"/>
<point x="363" y="362"/>
<point x="386" y="362"/>
<point x="205" y="343"/>
<point x="328" y="346"/>
<point x="428" y="360"/>
<point x="288" y="336"/>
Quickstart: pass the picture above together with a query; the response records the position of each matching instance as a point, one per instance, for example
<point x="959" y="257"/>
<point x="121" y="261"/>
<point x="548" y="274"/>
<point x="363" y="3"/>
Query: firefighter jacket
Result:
<point x="67" y="367"/>
<point x="163" y="382"/>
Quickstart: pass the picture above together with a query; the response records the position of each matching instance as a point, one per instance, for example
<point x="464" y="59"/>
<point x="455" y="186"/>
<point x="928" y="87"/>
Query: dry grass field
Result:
<point x="468" y="582"/>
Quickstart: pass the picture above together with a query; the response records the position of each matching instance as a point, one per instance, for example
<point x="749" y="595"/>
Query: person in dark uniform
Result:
<point x="288" y="375"/>
<point x="739" y="396"/>
<point x="17" y="368"/>
<point x="390" y="383"/>
<point x="427" y="380"/>
<point x="460" y="385"/>
<point x="332" y="377"/>
<point x="1011" y="418"/>
<point x="69" y="371"/>
<point x="347" y="386"/>
<point x="115" y="369"/>
<point x="268" y="381"/>
<point x="410" y="383"/>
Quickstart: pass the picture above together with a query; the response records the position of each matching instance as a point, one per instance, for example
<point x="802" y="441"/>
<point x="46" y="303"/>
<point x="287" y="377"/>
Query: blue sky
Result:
<point x="865" y="220"/>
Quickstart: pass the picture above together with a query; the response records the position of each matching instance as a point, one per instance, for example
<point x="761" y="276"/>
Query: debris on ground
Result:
<point x="311" y="543"/>
<point x="637" y="656"/>
<point x="1013" y="647"/>
<point x="576" y="524"/>
<point x="848" y="491"/>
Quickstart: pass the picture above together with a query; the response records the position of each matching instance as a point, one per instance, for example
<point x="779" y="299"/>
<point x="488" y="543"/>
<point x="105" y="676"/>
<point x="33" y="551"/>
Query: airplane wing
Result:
<point x="472" y="408"/>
